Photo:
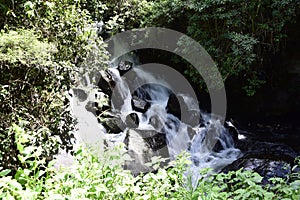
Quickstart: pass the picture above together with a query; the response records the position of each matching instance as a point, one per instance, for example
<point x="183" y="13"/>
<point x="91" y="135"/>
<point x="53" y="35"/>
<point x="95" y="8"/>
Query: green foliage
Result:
<point x="44" y="47"/>
<point x="24" y="48"/>
<point x="102" y="177"/>
<point x="126" y="15"/>
<point x="63" y="22"/>
<point x="31" y="88"/>
<point x="241" y="36"/>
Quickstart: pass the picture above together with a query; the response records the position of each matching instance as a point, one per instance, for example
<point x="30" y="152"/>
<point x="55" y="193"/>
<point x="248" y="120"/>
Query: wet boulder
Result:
<point x="267" y="168"/>
<point x="132" y="120"/>
<point x="92" y="107"/>
<point x="179" y="108"/>
<point x="106" y="82"/>
<point x="269" y="150"/>
<point x="267" y="159"/>
<point x="156" y="122"/>
<point x="139" y="104"/>
<point x="142" y="146"/>
<point x="132" y="79"/>
<point x="233" y="131"/>
<point x="155" y="140"/>
<point x="124" y="67"/>
<point x="150" y="91"/>
<point x="191" y="117"/>
<point x="172" y="123"/>
<point x="211" y="139"/>
<point x="112" y="122"/>
<point x="173" y="106"/>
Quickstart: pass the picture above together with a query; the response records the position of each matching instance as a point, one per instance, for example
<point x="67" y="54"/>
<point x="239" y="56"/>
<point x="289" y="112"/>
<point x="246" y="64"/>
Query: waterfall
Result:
<point x="203" y="153"/>
<point x="208" y="142"/>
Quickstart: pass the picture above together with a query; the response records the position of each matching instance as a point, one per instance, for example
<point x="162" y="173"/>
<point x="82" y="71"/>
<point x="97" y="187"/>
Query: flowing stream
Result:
<point x="210" y="145"/>
<point x="203" y="154"/>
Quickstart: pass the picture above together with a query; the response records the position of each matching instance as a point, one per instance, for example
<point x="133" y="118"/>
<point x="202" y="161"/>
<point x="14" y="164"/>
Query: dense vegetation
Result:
<point x="102" y="177"/>
<point x="240" y="35"/>
<point x="42" y="46"/>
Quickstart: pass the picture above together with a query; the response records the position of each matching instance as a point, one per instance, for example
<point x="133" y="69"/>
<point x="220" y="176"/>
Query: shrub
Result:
<point x="42" y="52"/>
<point x="102" y="177"/>
<point x="31" y="89"/>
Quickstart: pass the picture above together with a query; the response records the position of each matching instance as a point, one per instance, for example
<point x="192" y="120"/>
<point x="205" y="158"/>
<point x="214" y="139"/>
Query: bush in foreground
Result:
<point x="92" y="177"/>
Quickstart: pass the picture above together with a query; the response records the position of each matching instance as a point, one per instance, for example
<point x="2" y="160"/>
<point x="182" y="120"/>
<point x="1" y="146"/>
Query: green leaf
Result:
<point x="4" y="172"/>
<point x="15" y="185"/>
<point x="296" y="184"/>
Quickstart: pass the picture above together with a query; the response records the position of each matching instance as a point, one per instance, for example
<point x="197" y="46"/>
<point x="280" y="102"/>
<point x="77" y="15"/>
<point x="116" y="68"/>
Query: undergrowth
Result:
<point x="102" y="177"/>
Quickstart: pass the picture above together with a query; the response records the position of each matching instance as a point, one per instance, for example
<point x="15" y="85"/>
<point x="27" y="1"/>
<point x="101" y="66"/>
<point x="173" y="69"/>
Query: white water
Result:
<point x="200" y="146"/>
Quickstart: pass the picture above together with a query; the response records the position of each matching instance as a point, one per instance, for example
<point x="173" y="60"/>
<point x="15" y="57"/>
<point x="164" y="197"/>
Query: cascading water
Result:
<point x="204" y="153"/>
<point x="210" y="144"/>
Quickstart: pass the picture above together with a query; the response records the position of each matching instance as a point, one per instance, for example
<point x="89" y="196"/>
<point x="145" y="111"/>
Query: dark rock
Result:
<point x="270" y="150"/>
<point x="132" y="120"/>
<point x="132" y="80"/>
<point x="211" y="140"/>
<point x="178" y="107"/>
<point x="139" y="104"/>
<point x="80" y="94"/>
<point x="191" y="117"/>
<point x="112" y="122"/>
<point x="156" y="122"/>
<point x="143" y="92"/>
<point x="265" y="167"/>
<point x="155" y="140"/>
<point x="233" y="131"/>
<point x="124" y="67"/>
<point x="92" y="107"/>
<point x="150" y="90"/>
<point x="216" y="138"/>
<point x="281" y="133"/>
<point x="142" y="146"/>
<point x="260" y="149"/>
<point x="113" y="125"/>
<point x="173" y="106"/>
<point x="117" y="98"/>
<point x="105" y="82"/>
<point x="267" y="159"/>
